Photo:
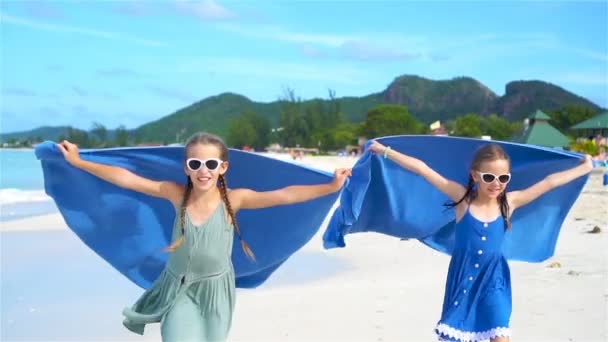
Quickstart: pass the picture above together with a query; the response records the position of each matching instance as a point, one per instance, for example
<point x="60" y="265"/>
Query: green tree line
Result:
<point x="321" y="124"/>
<point x="98" y="136"/>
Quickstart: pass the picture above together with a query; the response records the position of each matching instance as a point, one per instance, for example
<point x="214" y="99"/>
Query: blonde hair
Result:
<point x="209" y="139"/>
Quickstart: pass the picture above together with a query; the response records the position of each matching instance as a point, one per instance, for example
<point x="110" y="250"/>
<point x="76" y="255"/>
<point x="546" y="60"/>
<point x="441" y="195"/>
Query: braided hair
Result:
<point x="209" y="139"/>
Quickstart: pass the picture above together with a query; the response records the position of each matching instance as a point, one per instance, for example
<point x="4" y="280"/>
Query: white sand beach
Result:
<point x="378" y="288"/>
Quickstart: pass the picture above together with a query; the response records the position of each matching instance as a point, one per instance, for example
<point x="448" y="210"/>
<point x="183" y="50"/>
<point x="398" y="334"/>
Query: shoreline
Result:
<point x="19" y="149"/>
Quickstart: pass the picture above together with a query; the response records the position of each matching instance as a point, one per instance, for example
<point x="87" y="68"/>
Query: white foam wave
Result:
<point x="12" y="196"/>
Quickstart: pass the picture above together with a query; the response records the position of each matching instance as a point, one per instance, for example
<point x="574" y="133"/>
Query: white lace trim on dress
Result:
<point x="472" y="336"/>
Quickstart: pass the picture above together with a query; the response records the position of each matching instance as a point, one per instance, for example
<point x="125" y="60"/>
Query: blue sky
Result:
<point x="131" y="62"/>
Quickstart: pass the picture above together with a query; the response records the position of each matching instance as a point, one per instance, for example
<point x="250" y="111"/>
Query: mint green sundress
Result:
<point x="194" y="296"/>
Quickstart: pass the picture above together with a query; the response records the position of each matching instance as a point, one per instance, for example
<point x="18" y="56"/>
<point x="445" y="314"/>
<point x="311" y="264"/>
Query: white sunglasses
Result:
<point x="211" y="164"/>
<point x="489" y="178"/>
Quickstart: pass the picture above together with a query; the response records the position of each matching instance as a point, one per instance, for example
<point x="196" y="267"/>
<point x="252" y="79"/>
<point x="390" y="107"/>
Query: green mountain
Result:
<point x="40" y="133"/>
<point x="45" y="133"/>
<point x="524" y="97"/>
<point x="213" y="114"/>
<point x="428" y="100"/>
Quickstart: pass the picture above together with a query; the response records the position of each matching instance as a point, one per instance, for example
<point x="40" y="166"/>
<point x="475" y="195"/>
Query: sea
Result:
<point x="22" y="186"/>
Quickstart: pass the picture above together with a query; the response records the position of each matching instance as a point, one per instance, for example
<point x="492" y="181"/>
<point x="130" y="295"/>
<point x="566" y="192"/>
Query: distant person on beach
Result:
<point x="477" y="300"/>
<point x="194" y="296"/>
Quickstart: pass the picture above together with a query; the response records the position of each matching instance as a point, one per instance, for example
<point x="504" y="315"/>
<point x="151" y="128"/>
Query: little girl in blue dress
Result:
<point x="477" y="300"/>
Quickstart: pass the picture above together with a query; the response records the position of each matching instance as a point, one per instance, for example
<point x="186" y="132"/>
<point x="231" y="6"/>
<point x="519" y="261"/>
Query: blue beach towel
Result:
<point x="130" y="230"/>
<point x="382" y="197"/>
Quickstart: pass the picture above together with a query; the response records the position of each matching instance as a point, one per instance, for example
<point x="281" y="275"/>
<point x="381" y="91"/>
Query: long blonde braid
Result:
<point x="224" y="192"/>
<point x="178" y="242"/>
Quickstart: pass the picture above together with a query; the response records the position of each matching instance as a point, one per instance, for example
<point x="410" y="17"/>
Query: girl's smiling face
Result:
<point x="204" y="179"/>
<point x="492" y="177"/>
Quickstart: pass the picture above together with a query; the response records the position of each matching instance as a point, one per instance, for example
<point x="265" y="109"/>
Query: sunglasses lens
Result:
<point x="504" y="178"/>
<point x="194" y="164"/>
<point x="488" y="178"/>
<point x="212" y="164"/>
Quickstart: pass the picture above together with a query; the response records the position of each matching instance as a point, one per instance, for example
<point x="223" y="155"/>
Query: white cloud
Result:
<point x="368" y="46"/>
<point x="278" y="33"/>
<point x="311" y="51"/>
<point x="597" y="56"/>
<point x="369" y="52"/>
<point x="586" y="78"/>
<point x="13" y="20"/>
<point x="374" y="46"/>
<point x="137" y="8"/>
<point x="330" y="72"/>
<point x="171" y="93"/>
<point x="43" y="9"/>
<point x="206" y="9"/>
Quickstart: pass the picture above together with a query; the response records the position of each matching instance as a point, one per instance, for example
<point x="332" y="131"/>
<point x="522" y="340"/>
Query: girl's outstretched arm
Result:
<point x="122" y="177"/>
<point x="249" y="199"/>
<point x="453" y="190"/>
<point x="554" y="180"/>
